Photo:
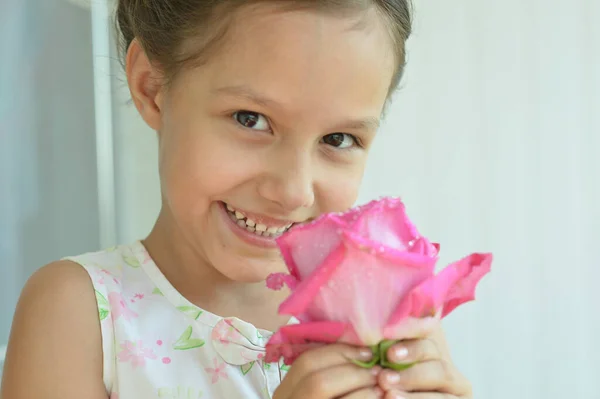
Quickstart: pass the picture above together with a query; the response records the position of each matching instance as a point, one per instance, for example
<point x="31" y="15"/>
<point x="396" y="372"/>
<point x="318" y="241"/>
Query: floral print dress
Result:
<point x="156" y="344"/>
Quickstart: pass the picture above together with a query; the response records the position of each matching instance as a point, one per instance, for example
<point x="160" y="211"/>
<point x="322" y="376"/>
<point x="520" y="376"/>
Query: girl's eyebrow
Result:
<point x="370" y="123"/>
<point x="244" y="92"/>
<point x="247" y="93"/>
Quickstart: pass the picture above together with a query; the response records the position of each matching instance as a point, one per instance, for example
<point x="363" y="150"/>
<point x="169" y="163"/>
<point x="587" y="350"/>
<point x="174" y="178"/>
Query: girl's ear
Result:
<point x="145" y="84"/>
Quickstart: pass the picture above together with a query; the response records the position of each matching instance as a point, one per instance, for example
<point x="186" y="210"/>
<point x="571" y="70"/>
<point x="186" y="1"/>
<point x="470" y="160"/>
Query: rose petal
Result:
<point x="359" y="287"/>
<point x="470" y="271"/>
<point x="305" y="247"/>
<point x="402" y="257"/>
<point x="422" y="246"/>
<point x="293" y="340"/>
<point x="452" y="287"/>
<point x="305" y="292"/>
<point x="276" y="281"/>
<point x="385" y="221"/>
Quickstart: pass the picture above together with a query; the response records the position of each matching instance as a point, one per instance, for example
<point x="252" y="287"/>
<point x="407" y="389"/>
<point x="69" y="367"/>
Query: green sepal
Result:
<point x="374" y="360"/>
<point x="380" y="357"/>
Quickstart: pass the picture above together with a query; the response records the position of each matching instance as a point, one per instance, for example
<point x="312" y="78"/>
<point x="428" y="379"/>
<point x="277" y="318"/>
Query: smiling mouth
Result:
<point x="254" y="226"/>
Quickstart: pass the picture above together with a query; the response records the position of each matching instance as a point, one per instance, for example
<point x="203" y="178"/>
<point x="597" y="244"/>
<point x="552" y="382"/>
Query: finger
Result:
<point x="366" y="393"/>
<point x="321" y="358"/>
<point x="429" y="376"/>
<point x="335" y="382"/>
<point x="414" y="351"/>
<point x="419" y="395"/>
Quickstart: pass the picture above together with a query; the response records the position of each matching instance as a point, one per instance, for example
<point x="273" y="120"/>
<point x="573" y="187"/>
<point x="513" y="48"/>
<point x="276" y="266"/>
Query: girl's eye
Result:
<point x="340" y="140"/>
<point x="251" y="120"/>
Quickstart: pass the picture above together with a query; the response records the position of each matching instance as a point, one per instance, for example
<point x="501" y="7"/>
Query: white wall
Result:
<point x="492" y="144"/>
<point x="48" y="197"/>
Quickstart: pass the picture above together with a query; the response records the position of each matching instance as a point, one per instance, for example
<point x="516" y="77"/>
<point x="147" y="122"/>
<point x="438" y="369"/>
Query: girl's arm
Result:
<point x="55" y="348"/>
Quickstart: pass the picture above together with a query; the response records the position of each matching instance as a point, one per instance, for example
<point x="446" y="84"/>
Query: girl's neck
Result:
<point x="201" y="284"/>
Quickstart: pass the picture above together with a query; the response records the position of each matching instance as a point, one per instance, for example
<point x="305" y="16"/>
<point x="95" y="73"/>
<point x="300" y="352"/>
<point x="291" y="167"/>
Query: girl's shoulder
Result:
<point x="55" y="319"/>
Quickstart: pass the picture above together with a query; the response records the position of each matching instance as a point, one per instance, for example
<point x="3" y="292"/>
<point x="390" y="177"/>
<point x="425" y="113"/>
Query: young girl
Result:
<point x="265" y="112"/>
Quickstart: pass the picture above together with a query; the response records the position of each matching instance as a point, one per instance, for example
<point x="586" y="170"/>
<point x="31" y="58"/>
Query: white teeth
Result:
<point x="261" y="227"/>
<point x="257" y="228"/>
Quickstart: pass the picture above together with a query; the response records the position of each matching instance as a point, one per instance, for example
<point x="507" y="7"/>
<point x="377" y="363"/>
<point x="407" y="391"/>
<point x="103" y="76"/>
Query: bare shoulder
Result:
<point x="55" y="348"/>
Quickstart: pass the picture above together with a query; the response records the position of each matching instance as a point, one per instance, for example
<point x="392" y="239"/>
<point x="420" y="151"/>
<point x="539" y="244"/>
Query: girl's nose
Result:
<point x="289" y="182"/>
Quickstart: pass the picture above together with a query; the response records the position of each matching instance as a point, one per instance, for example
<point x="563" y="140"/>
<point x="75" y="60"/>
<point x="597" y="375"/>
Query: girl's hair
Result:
<point x="164" y="27"/>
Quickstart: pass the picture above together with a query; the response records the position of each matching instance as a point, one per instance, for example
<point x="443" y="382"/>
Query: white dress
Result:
<point x="157" y="344"/>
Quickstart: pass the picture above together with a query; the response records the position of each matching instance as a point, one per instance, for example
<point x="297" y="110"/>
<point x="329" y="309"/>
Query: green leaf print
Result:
<point x="186" y="342"/>
<point x="131" y="261"/>
<point x="157" y="291"/>
<point x="191" y="311"/>
<point x="103" y="306"/>
<point x="285" y="368"/>
<point x="246" y="367"/>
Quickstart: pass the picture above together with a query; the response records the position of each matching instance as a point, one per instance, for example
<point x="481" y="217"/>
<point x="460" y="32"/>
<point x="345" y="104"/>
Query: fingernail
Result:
<point x="365" y="354"/>
<point x="393" y="378"/>
<point x="400" y="353"/>
<point x="375" y="370"/>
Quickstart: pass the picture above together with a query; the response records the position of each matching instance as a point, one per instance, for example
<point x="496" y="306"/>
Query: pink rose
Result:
<point x="364" y="277"/>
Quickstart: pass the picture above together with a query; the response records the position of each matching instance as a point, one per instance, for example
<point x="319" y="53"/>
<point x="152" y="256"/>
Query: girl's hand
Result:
<point x="433" y="377"/>
<point x="327" y="372"/>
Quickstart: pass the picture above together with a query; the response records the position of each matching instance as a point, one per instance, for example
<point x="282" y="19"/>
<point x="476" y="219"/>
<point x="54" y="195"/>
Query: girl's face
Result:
<point x="274" y="130"/>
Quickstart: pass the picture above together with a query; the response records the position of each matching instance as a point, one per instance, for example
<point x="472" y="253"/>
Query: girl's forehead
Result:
<point x="303" y="57"/>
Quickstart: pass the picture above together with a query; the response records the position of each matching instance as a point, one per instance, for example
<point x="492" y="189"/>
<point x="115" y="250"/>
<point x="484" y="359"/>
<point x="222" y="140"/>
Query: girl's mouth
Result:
<point x="257" y="227"/>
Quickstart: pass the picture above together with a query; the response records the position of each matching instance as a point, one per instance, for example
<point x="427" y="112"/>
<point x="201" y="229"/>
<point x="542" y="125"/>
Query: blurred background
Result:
<point x="492" y="142"/>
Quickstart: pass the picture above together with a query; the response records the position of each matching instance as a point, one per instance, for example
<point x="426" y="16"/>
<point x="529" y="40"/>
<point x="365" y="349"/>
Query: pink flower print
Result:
<point x="250" y="356"/>
<point x="147" y="258"/>
<point x="135" y="353"/>
<point x="224" y="333"/>
<point x="139" y="296"/>
<point x="119" y="307"/>
<point x="217" y="372"/>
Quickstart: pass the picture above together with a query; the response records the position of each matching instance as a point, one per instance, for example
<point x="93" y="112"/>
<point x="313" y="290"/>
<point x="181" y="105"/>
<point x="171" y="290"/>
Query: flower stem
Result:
<point x="380" y="357"/>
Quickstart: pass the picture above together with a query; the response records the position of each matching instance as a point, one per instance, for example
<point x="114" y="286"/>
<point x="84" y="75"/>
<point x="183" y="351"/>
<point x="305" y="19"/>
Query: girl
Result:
<point x="265" y="112"/>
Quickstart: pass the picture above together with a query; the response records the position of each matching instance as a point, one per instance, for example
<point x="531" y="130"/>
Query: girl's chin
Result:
<point x="248" y="269"/>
